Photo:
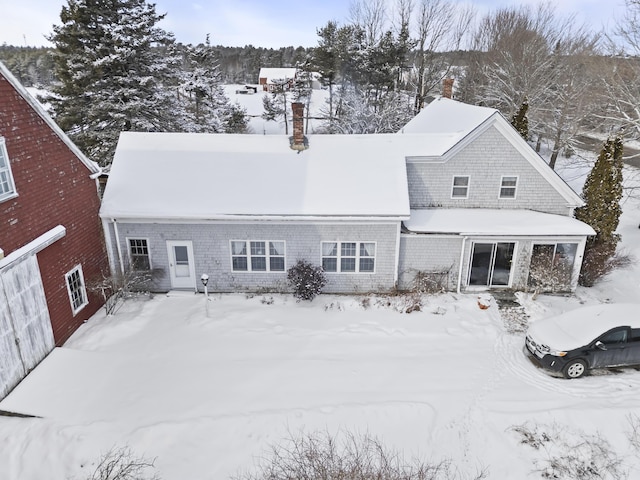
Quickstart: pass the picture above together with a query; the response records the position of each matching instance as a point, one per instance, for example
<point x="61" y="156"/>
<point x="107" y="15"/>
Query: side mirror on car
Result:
<point x="601" y="345"/>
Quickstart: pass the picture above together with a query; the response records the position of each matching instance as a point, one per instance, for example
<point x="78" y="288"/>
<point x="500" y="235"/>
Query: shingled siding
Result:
<point x="431" y="254"/>
<point x="211" y="248"/>
<point x="440" y="254"/>
<point x="430" y="183"/>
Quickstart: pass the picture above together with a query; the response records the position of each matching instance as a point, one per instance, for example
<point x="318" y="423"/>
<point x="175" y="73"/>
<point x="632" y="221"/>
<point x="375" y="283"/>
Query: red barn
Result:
<point x="51" y="239"/>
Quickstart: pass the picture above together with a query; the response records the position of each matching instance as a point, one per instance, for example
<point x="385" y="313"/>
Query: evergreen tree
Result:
<point x="520" y="121"/>
<point x="117" y="71"/>
<point x="602" y="193"/>
<point x="208" y="109"/>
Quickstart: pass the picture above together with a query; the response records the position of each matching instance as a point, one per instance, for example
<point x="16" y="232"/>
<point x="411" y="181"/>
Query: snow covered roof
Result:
<point x="581" y="326"/>
<point x="93" y="167"/>
<point x="212" y="176"/>
<point x="276" y="74"/>
<point x="449" y="125"/>
<point x="494" y="222"/>
<point x="444" y="115"/>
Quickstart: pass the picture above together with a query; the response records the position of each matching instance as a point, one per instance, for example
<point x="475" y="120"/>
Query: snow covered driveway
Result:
<point x="208" y="394"/>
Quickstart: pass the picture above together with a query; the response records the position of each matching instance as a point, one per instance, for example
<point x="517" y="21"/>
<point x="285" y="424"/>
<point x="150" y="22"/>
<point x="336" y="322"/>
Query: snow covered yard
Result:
<point x="206" y="394"/>
<point x="206" y="391"/>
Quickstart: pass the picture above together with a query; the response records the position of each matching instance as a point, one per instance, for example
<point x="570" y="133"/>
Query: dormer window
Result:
<point x="7" y="187"/>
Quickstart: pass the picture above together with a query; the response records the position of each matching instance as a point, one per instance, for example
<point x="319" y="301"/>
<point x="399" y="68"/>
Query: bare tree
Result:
<point x="371" y="16"/>
<point x="440" y="26"/>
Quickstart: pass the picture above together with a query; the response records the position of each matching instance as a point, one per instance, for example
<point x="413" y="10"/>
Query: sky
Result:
<point x="272" y="24"/>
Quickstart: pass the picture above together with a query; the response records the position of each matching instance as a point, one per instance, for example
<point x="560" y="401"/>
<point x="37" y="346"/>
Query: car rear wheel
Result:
<point x="575" y="369"/>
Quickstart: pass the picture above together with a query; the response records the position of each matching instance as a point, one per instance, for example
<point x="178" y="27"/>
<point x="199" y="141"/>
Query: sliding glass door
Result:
<point x="491" y="264"/>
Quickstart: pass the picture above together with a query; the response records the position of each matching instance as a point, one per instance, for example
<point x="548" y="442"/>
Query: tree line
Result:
<point x="557" y="79"/>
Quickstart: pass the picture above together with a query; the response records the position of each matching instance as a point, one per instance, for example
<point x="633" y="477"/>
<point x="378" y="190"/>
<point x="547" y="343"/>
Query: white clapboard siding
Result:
<point x="26" y="320"/>
<point x="11" y="366"/>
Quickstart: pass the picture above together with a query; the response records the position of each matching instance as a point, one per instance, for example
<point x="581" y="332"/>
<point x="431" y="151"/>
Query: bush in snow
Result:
<point x="346" y="456"/>
<point x="122" y="464"/>
<point x="306" y="279"/>
<point x="571" y="455"/>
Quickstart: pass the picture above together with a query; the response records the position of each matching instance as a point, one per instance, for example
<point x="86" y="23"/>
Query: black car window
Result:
<point x="617" y="336"/>
<point x="635" y="335"/>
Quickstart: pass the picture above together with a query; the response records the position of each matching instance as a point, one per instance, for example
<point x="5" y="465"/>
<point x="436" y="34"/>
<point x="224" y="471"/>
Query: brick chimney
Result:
<point x="447" y="88"/>
<point x="298" y="141"/>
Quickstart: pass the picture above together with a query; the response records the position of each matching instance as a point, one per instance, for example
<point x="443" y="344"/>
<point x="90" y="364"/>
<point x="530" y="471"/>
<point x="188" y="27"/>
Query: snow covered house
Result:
<point x="51" y="239"/>
<point x="457" y="197"/>
<point x="274" y="78"/>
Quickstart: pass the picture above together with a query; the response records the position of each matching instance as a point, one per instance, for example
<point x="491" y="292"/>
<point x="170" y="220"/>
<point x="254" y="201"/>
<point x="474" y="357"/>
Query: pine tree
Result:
<point x="602" y="193"/>
<point x="520" y="121"/>
<point x="208" y="109"/>
<point x="117" y="71"/>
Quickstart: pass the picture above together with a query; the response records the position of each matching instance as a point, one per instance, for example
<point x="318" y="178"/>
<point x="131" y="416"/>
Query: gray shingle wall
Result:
<point x="429" y="254"/>
<point x="485" y="161"/>
<point x="211" y="248"/>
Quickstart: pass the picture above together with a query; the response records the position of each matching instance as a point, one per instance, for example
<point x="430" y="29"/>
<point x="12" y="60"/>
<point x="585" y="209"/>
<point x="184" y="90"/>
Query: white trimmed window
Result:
<point x="508" y="185"/>
<point x="460" y="188"/>
<point x="7" y="187"/>
<point x="139" y="254"/>
<point x="76" y="289"/>
<point x="257" y="256"/>
<point x="349" y="257"/>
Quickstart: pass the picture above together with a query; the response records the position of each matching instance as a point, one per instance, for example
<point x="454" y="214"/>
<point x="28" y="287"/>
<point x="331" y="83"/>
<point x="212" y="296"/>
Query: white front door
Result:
<point x="181" y="268"/>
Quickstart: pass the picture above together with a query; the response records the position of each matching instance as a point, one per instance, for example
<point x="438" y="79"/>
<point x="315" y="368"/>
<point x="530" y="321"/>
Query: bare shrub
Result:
<point x="571" y="455"/>
<point x="123" y="464"/>
<point x="430" y="282"/>
<point x="549" y="275"/>
<point x="321" y="456"/>
<point x="116" y="288"/>
<point x="599" y="260"/>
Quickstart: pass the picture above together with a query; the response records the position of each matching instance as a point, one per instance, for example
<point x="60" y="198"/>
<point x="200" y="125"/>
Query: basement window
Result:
<point x="7" y="187"/>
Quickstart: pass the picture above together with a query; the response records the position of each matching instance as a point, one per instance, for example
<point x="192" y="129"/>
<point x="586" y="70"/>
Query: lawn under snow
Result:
<point x="206" y="387"/>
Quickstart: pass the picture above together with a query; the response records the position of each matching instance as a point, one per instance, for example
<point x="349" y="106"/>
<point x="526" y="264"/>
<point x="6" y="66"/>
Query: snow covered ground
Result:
<point x="254" y="106"/>
<point x="207" y="387"/>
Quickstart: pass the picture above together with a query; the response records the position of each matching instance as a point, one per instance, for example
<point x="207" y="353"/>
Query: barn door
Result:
<point x="26" y="336"/>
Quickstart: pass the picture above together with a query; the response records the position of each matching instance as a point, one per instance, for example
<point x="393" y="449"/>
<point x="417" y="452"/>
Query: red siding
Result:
<point x="54" y="188"/>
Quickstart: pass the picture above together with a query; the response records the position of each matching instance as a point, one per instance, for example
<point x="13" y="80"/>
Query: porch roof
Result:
<point x="494" y="222"/>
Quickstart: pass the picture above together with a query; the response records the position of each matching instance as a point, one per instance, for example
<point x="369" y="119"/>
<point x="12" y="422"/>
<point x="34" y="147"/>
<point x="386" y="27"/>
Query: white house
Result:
<point x="457" y="194"/>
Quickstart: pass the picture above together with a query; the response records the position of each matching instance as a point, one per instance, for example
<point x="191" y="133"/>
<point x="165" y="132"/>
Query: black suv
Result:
<point x="603" y="336"/>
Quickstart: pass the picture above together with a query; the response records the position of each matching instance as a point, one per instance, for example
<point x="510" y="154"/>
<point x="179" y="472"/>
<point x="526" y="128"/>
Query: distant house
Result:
<point x="51" y="240"/>
<point x="275" y="78"/>
<point x="457" y="196"/>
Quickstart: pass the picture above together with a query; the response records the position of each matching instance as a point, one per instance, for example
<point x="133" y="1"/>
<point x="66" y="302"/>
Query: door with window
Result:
<point x="181" y="268"/>
<point x="491" y="264"/>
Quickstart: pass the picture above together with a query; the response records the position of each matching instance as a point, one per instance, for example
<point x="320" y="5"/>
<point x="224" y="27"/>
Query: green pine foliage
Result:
<point x="520" y="121"/>
<point x="602" y="193"/>
<point x="117" y="71"/>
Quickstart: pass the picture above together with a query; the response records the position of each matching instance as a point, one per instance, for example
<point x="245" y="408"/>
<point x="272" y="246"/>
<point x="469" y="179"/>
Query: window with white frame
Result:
<point x="76" y="289"/>
<point x="460" y="188"/>
<point x="257" y="256"/>
<point x="508" y="186"/>
<point x="349" y="257"/>
<point x="7" y="187"/>
<point x="139" y="254"/>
